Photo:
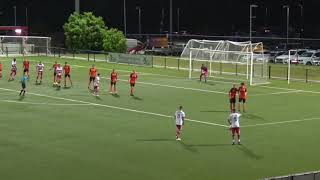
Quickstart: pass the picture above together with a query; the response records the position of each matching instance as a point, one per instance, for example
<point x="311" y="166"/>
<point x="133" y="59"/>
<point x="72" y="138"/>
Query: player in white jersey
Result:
<point x="13" y="69"/>
<point x="234" y="121"/>
<point x="40" y="69"/>
<point x="179" y="117"/>
<point x="96" y="85"/>
<point x="58" y="75"/>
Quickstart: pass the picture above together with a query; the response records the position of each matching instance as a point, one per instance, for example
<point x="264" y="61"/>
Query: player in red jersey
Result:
<point x="132" y="80"/>
<point x="242" y="96"/>
<point x="113" y="82"/>
<point x="26" y="67"/>
<point x="67" y="71"/>
<point x="54" y="68"/>
<point x="92" y="75"/>
<point x="232" y="97"/>
<point x="204" y="73"/>
<point x="0" y="70"/>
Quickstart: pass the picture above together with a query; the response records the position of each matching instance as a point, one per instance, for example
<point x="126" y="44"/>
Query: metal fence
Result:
<point x="301" y="73"/>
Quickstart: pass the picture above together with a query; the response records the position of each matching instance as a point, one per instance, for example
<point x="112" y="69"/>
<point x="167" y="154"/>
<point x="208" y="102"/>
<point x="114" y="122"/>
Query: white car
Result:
<point x="310" y="58"/>
<point x="294" y="56"/>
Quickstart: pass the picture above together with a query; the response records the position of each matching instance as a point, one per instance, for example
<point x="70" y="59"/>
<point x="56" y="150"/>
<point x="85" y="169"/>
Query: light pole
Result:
<point x="170" y="33"/>
<point x="178" y="19"/>
<point x="251" y="7"/>
<point x="26" y="16"/>
<point x="301" y="20"/>
<point x="139" y="11"/>
<point x="15" y="15"/>
<point x="125" y="17"/>
<point x="288" y="20"/>
<point x="77" y="6"/>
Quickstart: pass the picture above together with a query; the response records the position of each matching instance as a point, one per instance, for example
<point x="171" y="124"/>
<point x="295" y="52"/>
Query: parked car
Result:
<point x="310" y="58"/>
<point x="294" y="56"/>
<point x="274" y="54"/>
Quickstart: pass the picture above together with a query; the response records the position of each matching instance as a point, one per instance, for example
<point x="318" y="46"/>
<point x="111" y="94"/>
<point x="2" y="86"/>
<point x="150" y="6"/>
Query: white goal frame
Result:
<point x="248" y="53"/>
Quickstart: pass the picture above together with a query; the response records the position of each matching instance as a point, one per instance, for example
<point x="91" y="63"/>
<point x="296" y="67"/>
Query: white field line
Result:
<point x="282" y="122"/>
<point x="49" y="104"/>
<point x="305" y="91"/>
<point x="115" y="107"/>
<point x="275" y="93"/>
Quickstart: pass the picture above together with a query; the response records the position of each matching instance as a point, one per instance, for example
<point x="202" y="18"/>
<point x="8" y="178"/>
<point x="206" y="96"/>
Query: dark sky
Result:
<point x="212" y="17"/>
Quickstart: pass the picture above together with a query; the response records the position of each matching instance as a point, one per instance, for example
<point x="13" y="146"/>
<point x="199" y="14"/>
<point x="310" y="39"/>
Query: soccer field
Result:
<point x="68" y="134"/>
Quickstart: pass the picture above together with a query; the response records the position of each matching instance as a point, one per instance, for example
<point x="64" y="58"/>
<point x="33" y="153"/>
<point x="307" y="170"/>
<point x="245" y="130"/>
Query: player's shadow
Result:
<point x="208" y="145"/>
<point x="253" y="117"/>
<point x="67" y="87"/>
<point x="155" y="140"/>
<point x="188" y="147"/>
<point x="137" y="98"/>
<point x="21" y="98"/>
<point x="214" y="111"/>
<point x="116" y="95"/>
<point x="210" y="83"/>
<point x="98" y="98"/>
<point x="249" y="152"/>
<point x="58" y="88"/>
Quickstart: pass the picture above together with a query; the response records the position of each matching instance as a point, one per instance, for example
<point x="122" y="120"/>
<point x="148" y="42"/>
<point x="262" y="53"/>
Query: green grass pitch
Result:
<point x="68" y="134"/>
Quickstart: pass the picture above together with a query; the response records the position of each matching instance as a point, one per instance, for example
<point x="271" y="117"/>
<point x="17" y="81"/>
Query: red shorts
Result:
<point x="235" y="130"/>
<point x="132" y="84"/>
<point x="204" y="74"/>
<point x="59" y="77"/>
<point x="26" y="69"/>
<point x="179" y="127"/>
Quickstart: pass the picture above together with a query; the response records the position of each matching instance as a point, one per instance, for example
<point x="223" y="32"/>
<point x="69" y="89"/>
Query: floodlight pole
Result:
<point x="178" y="19"/>
<point x="170" y="33"/>
<point x="26" y="16"/>
<point x="77" y="6"/>
<point x="139" y="12"/>
<point x="15" y="15"/>
<point x="288" y="20"/>
<point x="250" y="20"/>
<point x="125" y="17"/>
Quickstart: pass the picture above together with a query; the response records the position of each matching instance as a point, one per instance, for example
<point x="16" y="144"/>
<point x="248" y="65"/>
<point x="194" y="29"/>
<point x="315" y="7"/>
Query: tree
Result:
<point x="114" y="41"/>
<point x="84" y="31"/>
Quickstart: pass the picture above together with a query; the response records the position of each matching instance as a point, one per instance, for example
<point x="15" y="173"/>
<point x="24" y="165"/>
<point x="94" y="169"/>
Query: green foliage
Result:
<point x="84" y="31"/>
<point x="114" y="41"/>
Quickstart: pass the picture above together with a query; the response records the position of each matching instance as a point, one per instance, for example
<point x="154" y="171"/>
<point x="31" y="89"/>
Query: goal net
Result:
<point x="24" y="45"/>
<point x="228" y="59"/>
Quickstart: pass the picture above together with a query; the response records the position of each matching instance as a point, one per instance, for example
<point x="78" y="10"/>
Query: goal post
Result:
<point x="24" y="45"/>
<point x="236" y="60"/>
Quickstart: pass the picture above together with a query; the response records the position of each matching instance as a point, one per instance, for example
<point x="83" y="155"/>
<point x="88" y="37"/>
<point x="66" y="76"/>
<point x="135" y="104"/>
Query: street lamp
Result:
<point x="139" y="11"/>
<point x="288" y="20"/>
<point x="251" y="7"/>
<point x="125" y="17"/>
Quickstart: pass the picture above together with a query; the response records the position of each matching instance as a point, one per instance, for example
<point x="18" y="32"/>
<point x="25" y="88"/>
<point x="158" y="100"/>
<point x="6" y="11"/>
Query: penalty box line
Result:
<point x="115" y="107"/>
<point x="282" y="122"/>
